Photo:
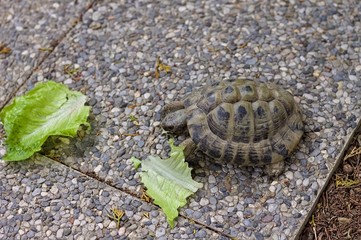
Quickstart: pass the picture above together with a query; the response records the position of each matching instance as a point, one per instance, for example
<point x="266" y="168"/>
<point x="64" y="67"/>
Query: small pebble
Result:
<point x="347" y="168"/>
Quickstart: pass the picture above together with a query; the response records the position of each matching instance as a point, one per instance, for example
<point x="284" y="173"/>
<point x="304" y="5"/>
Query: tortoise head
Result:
<point x="175" y="122"/>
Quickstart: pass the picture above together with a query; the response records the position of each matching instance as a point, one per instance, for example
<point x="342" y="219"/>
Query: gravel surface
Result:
<point x="312" y="49"/>
<point x="31" y="29"/>
<point x="43" y="198"/>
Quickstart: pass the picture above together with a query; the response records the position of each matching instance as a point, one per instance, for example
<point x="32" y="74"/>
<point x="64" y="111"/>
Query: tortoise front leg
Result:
<point x="189" y="147"/>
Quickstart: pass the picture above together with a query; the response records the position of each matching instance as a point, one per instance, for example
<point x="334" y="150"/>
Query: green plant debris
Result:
<point x="48" y="109"/>
<point x="346" y="182"/>
<point x="313" y="225"/>
<point x="134" y="119"/>
<point x="116" y="215"/>
<point x="136" y="162"/>
<point x="68" y="69"/>
<point x="312" y="221"/>
<point x="73" y="72"/>
<point x="168" y="181"/>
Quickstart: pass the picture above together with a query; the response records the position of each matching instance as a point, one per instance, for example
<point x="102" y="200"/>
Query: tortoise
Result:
<point x="238" y="121"/>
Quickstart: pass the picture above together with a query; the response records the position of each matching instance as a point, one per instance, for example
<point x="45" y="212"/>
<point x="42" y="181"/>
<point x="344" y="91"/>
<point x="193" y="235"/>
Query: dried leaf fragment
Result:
<point x="95" y="25"/>
<point x="243" y="45"/>
<point x="160" y="66"/>
<point x="68" y="69"/>
<point x="343" y="220"/>
<point x="355" y="151"/>
<point x="130" y="134"/>
<point x="146" y="197"/>
<point x="4" y="49"/>
<point x="116" y="215"/>
<point x="132" y="106"/>
<point x="45" y="49"/>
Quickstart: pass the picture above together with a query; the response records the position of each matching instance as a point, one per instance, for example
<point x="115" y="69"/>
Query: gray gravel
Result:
<point x="26" y="27"/>
<point x="43" y="198"/>
<point x="312" y="49"/>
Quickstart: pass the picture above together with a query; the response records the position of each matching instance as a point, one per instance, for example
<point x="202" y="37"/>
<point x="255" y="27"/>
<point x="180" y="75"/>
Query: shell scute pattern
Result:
<point x="248" y="93"/>
<point x="244" y="122"/>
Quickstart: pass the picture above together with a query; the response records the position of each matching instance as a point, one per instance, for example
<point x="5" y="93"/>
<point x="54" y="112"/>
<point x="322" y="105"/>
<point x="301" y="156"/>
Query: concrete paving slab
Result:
<point x="312" y="49"/>
<point x="31" y="29"/>
<point x="42" y="198"/>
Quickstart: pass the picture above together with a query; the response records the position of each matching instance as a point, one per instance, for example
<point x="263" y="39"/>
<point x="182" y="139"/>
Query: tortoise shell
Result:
<point x="243" y="122"/>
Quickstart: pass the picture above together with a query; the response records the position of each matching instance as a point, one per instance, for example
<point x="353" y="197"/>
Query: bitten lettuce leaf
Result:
<point x="168" y="181"/>
<point x="50" y="108"/>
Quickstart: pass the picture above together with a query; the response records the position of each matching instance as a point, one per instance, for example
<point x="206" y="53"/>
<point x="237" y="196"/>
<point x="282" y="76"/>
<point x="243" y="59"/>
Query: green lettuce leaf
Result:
<point x="50" y="108"/>
<point x="169" y="181"/>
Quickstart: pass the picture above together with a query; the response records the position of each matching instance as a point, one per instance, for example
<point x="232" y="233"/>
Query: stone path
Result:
<point x="108" y="50"/>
